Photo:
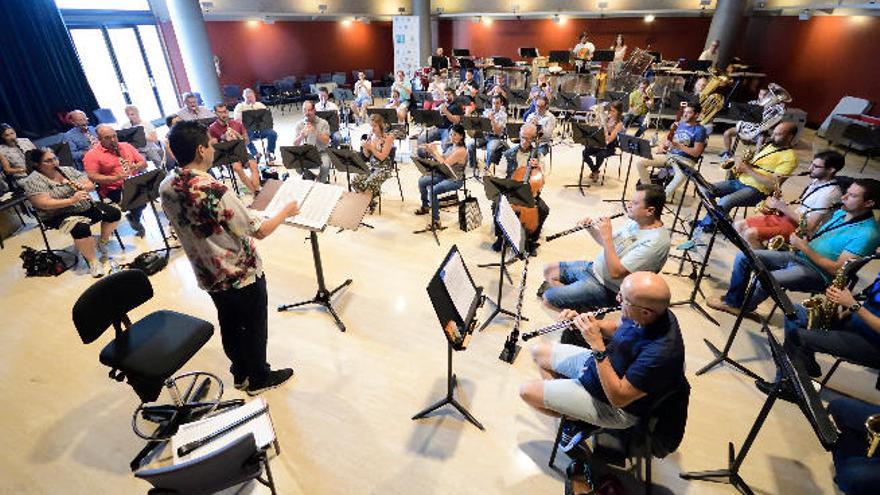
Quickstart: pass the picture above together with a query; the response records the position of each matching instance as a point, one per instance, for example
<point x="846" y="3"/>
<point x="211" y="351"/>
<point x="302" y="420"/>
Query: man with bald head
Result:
<point x="80" y="137"/>
<point x="630" y="363"/>
<point x="315" y="131"/>
<point x="108" y="164"/>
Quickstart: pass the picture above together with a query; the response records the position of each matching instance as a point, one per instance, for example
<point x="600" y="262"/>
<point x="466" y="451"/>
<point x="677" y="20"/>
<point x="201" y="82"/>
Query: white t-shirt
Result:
<point x="242" y="107"/>
<point x="817" y="198"/>
<point x="708" y="55"/>
<point x="324" y="107"/>
<point x="638" y="250"/>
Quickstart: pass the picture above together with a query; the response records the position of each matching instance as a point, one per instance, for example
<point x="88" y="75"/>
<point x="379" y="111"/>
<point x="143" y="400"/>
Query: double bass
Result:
<point x="528" y="217"/>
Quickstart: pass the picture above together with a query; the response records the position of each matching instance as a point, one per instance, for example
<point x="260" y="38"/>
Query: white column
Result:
<point x="192" y="37"/>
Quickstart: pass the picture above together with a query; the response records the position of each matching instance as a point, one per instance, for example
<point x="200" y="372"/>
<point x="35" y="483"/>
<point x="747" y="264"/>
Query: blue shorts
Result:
<point x="581" y="289"/>
<point x="363" y="100"/>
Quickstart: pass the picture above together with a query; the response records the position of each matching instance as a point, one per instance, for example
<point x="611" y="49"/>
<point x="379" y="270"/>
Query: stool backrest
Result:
<point x="108" y="301"/>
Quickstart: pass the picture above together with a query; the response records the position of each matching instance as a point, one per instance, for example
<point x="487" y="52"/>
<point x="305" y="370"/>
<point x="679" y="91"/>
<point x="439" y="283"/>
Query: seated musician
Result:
<point x="613" y="127"/>
<point x="849" y="233"/>
<point x="109" y="164"/>
<point x="12" y="154"/>
<point x="468" y="86"/>
<point x="816" y="202"/>
<point x="451" y="111"/>
<point x="191" y="109"/>
<point x="61" y="198"/>
<point x="641" y="244"/>
<point x="582" y="53"/>
<point x="225" y="129"/>
<point x="325" y="104"/>
<point x="315" y="131"/>
<point x="152" y="150"/>
<point x="518" y="157"/>
<point x="711" y="53"/>
<point x="455" y="156"/>
<point x="500" y="87"/>
<point x="755" y="180"/>
<point x="688" y="142"/>
<point x="437" y="89"/>
<point x="81" y="137"/>
<point x="631" y="362"/>
<point x="641" y="101"/>
<point x="493" y="141"/>
<point x="250" y="103"/>
<point x="771" y="109"/>
<point x="363" y="97"/>
<point x="404" y="90"/>
<point x="544" y="119"/>
<point x="542" y="88"/>
<point x="170" y="161"/>
<point x="377" y="148"/>
<point x="854" y="473"/>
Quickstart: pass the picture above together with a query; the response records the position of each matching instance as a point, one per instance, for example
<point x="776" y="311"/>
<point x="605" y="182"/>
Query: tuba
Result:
<point x="774" y="111"/>
<point x="712" y="101"/>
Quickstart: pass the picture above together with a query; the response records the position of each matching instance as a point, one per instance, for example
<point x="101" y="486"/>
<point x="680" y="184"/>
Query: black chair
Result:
<point x="234" y="464"/>
<point x="658" y="434"/>
<point x="149" y="351"/>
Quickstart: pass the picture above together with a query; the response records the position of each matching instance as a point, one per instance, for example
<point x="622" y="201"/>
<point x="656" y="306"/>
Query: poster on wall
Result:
<point x="405" y="30"/>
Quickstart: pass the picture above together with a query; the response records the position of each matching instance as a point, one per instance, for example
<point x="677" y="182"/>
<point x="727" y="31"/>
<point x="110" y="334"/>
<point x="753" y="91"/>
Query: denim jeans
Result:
<point x="790" y="272"/>
<point x="268" y="134"/>
<point x="733" y="193"/>
<point x="854" y="473"/>
<point x="581" y="290"/>
<point x="435" y="186"/>
<point x="630" y="119"/>
<point x="491" y="148"/>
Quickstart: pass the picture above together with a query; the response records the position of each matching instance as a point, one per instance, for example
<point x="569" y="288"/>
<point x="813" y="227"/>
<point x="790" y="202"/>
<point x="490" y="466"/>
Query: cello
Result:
<point x="528" y="217"/>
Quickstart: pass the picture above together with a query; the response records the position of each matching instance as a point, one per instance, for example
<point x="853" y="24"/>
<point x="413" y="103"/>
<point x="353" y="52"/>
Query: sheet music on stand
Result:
<point x="260" y="426"/>
<point x="458" y="284"/>
<point x="510" y="225"/>
<point x="316" y="201"/>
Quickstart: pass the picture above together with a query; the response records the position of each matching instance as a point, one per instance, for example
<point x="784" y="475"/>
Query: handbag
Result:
<point x="41" y="263"/>
<point x="469" y="215"/>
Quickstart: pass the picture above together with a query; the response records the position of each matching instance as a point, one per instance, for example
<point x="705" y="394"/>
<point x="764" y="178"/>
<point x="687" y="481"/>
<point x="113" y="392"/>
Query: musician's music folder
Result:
<point x="260" y="426"/>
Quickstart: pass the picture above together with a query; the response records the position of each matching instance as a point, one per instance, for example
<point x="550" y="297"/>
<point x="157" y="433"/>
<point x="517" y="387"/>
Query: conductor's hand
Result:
<point x="842" y="297"/>
<point x="292" y="209"/>
<point x="589" y="328"/>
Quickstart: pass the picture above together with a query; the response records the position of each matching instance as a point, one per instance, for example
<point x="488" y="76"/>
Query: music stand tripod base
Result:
<point x="451" y="382"/>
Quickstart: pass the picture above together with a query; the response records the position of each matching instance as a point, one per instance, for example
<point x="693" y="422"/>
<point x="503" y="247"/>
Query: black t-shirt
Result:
<point x="455" y="109"/>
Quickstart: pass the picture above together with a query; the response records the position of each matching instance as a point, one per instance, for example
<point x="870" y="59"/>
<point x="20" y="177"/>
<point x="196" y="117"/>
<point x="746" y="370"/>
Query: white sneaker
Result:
<point x="96" y="268"/>
<point x="102" y="248"/>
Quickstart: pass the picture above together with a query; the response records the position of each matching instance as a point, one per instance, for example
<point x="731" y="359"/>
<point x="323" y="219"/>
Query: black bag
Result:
<point x="149" y="263"/>
<point x="469" y="215"/>
<point x="41" y="263"/>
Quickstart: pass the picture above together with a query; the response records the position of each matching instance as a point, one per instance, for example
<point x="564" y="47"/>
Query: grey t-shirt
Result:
<point x="320" y="127"/>
<point x="638" y="250"/>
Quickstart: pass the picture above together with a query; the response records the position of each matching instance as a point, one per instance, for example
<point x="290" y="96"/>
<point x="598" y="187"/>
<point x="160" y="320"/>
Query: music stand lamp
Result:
<point x="228" y="152"/>
<point x="518" y="193"/>
<point x="585" y="135"/>
<point x="793" y="375"/>
<point x="134" y="136"/>
<point x="257" y="121"/>
<point x="456" y="327"/>
<point x="141" y="189"/>
<point x="433" y="168"/>
<point x="633" y="146"/>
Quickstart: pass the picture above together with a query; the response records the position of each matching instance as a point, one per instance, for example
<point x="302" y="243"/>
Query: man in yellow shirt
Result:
<point x="755" y="180"/>
<point x="639" y="104"/>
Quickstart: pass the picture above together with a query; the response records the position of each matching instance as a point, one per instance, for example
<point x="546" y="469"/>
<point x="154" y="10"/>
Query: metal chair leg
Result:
<point x="556" y="445"/>
<point x="830" y="372"/>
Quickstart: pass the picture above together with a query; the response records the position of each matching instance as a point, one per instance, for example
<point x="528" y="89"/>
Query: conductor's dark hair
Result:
<point x="185" y="138"/>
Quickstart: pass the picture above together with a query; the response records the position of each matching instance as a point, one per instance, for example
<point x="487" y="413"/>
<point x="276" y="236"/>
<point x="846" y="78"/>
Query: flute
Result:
<point x="562" y="325"/>
<point x="578" y="228"/>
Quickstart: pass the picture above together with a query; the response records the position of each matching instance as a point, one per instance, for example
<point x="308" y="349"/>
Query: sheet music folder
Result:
<point x="347" y="213"/>
<point x="455" y="298"/>
<point x="260" y="426"/>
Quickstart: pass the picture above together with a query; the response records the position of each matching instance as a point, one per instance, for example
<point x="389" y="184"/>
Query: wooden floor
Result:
<point x="344" y="420"/>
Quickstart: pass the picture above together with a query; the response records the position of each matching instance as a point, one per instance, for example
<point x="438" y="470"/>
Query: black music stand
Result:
<point x="476" y="124"/>
<point x="456" y="326"/>
<point x="63" y="153"/>
<point x="603" y="56"/>
<point x="258" y="120"/>
<point x="586" y="135"/>
<point x="529" y="52"/>
<point x="301" y="158"/>
<point x="228" y="152"/>
<point x="518" y="193"/>
<point x="141" y="189"/>
<point x="439" y="63"/>
<point x="697" y="65"/>
<point x="350" y="161"/>
<point x="426" y="119"/>
<point x="503" y="62"/>
<point x="389" y="115"/>
<point x="793" y="375"/>
<point x="433" y="168"/>
<point x="633" y="146"/>
<point x="461" y="52"/>
<point x="560" y="56"/>
<point x="134" y="136"/>
<point x="332" y="118"/>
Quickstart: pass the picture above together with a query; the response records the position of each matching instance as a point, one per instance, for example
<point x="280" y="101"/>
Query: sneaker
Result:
<point x="96" y="269"/>
<point x="102" y="247"/>
<point x="422" y="211"/>
<point x="496" y="246"/>
<point x="719" y="305"/>
<point x="241" y="385"/>
<point x="274" y="379"/>
<point x="725" y="155"/>
<point x="686" y="245"/>
<point x="543" y="288"/>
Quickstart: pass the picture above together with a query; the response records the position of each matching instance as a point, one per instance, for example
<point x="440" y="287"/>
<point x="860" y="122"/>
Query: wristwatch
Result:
<point x="855" y="307"/>
<point x="599" y="356"/>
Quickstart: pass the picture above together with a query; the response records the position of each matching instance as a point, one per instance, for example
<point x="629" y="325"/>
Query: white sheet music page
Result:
<point x="317" y="208"/>
<point x="510" y="223"/>
<point x="260" y="426"/>
<point x="294" y="188"/>
<point x="458" y="284"/>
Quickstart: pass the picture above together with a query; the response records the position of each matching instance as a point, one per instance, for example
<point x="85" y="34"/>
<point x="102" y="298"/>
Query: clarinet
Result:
<point x="578" y="228"/>
<point x="562" y="325"/>
<point x="75" y="185"/>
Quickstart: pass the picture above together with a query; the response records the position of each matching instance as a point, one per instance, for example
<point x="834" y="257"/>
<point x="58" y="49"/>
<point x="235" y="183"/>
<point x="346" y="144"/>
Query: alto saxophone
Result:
<point x="780" y="243"/>
<point x="747" y="157"/>
<point x="821" y="312"/>
<point x="762" y="207"/>
<point x="872" y="424"/>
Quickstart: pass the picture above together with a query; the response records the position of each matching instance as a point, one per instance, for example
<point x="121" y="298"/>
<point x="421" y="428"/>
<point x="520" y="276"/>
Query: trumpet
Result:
<point x="564" y="324"/>
<point x="579" y="228"/>
<point x="872" y="424"/>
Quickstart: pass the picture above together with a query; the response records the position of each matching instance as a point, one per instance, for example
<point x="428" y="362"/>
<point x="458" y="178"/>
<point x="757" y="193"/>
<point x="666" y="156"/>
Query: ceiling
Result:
<point x="384" y="9"/>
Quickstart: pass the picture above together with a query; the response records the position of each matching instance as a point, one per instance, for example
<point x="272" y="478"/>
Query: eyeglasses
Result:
<point x="624" y="302"/>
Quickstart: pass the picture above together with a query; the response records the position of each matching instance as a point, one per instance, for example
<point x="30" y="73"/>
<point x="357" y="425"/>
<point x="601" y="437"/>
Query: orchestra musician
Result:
<point x="816" y="202"/>
<point x="437" y="89"/>
<point x="518" y="157"/>
<point x="582" y="53"/>
<point x="641" y="244"/>
<point x="216" y="232"/>
<point x="377" y="148"/>
<point x="315" y="131"/>
<point x="500" y="87"/>
<point x="439" y="54"/>
<point x="493" y="141"/>
<point x="544" y="120"/>
<point x="404" y="90"/>
<point x="152" y="150"/>
<point x="851" y="232"/>
<point x="12" y="155"/>
<point x="613" y="127"/>
<point x="61" y="198"/>
<point x="363" y="97"/>
<point x="711" y="53"/>
<point x="854" y="473"/>
<point x="769" y="109"/>
<point x="619" y="48"/>
<point x="191" y="109"/>
<point x="542" y="88"/>
<point x="250" y="103"/>
<point x="630" y="363"/>
<point x="108" y="165"/>
<point x="468" y="86"/>
<point x="641" y="101"/>
<point x="225" y="129"/>
<point x="688" y="142"/>
<point x="455" y="156"/>
<point x="325" y="104"/>
<point x="81" y="137"/>
<point x="170" y="161"/>
<point x="451" y="111"/>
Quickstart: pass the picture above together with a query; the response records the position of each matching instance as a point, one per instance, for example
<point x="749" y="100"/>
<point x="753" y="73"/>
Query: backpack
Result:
<point x="41" y="263"/>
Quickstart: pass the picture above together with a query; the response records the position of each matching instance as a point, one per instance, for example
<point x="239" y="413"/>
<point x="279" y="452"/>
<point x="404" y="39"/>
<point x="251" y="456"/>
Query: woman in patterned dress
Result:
<point x="377" y="148"/>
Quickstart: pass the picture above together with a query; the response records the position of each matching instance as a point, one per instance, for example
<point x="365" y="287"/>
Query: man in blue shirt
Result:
<point x="851" y="232"/>
<point x="80" y="138"/>
<point x="686" y="146"/>
<point x="630" y="362"/>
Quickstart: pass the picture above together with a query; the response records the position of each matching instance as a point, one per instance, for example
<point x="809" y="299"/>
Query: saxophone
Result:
<point x="821" y="312"/>
<point x="747" y="157"/>
<point x="762" y="207"/>
<point x="780" y="243"/>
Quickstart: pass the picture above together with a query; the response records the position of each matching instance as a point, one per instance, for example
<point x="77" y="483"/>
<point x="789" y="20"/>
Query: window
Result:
<point x="103" y="4"/>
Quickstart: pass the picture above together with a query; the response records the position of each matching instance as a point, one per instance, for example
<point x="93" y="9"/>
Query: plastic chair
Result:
<point x="105" y="116"/>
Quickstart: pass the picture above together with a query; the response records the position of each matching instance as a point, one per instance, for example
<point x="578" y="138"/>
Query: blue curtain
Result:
<point x="40" y="73"/>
